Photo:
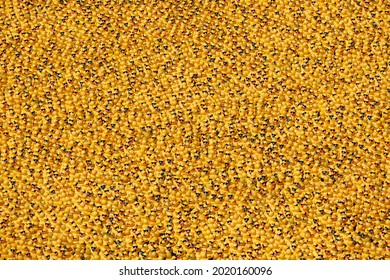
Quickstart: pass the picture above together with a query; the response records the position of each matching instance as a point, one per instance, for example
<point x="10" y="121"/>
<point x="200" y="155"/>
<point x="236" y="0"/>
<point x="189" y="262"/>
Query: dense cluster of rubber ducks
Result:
<point x="202" y="129"/>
